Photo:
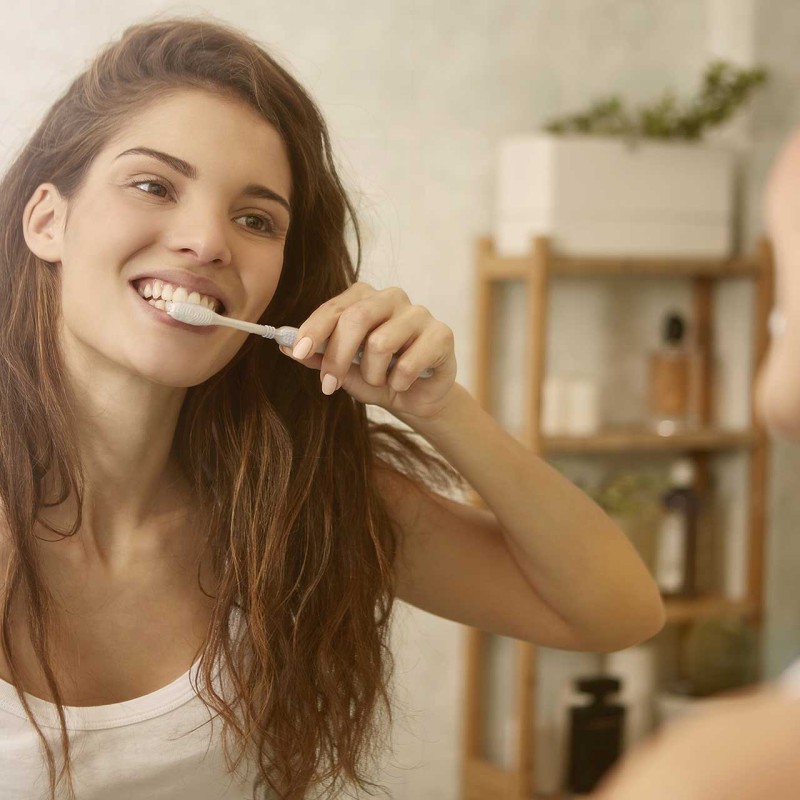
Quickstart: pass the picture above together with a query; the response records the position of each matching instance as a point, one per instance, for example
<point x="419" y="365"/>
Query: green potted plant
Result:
<point x="620" y="180"/>
<point x="718" y="657"/>
<point x="632" y="500"/>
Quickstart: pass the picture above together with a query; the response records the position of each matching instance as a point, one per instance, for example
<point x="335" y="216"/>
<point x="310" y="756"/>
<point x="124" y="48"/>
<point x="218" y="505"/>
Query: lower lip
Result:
<point x="203" y="330"/>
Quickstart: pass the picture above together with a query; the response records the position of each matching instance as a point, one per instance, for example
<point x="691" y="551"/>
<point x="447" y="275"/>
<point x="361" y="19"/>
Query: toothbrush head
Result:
<point x="191" y="313"/>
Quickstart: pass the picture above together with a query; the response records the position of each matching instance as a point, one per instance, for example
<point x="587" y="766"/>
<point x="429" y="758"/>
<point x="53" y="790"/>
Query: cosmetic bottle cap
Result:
<point x="598" y="687"/>
<point x="682" y="473"/>
<point x="674" y="328"/>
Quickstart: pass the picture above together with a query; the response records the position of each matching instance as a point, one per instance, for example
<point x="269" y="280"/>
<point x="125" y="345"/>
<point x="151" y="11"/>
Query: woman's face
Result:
<point x="209" y="201"/>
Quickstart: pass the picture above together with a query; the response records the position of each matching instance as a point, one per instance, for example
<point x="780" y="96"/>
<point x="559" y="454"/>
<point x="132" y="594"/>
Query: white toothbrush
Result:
<point x="193" y="314"/>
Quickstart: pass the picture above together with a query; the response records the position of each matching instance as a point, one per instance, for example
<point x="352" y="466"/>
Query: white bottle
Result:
<point x="675" y="548"/>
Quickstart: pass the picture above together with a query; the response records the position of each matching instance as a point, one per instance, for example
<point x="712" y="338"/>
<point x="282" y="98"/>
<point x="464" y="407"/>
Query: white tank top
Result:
<point x="162" y="746"/>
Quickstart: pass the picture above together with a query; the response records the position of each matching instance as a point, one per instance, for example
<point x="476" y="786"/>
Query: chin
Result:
<point x="176" y="378"/>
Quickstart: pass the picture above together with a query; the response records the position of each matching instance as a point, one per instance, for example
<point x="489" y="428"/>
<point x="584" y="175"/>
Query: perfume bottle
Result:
<point x="676" y="545"/>
<point x="595" y="734"/>
<point x="671" y="377"/>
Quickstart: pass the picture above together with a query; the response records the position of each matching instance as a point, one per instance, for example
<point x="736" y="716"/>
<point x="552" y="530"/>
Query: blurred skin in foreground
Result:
<point x="745" y="748"/>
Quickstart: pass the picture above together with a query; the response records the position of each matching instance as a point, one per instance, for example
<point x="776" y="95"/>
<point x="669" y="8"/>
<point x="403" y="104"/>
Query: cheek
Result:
<point x="103" y="234"/>
<point x="777" y="391"/>
<point x="260" y="287"/>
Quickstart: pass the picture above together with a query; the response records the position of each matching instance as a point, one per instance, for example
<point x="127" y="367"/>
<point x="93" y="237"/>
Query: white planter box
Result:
<point x="605" y="196"/>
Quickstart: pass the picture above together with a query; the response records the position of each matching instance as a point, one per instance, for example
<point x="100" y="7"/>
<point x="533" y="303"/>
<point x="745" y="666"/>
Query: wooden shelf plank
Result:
<point x="688" y="267"/>
<point x="633" y="440"/>
<point x="498" y="268"/>
<point x="484" y="780"/>
<point x="689" y="610"/>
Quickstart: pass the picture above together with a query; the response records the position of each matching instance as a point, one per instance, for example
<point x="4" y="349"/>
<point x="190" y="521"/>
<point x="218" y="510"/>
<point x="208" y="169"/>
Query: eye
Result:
<point x="258" y="223"/>
<point x="267" y="225"/>
<point x="152" y="182"/>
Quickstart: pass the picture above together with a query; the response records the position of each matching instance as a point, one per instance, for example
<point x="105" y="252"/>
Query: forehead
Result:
<point x="220" y="136"/>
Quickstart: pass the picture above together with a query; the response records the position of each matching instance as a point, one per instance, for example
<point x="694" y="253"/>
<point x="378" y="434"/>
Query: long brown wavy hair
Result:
<point x="298" y="534"/>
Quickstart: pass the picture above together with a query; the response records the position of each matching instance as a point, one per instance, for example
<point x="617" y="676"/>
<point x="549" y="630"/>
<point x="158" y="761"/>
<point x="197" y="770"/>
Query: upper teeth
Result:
<point x="156" y="290"/>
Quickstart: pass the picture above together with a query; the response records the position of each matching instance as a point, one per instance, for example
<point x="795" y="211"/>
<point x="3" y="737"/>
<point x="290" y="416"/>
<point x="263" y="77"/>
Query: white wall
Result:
<point x="417" y="95"/>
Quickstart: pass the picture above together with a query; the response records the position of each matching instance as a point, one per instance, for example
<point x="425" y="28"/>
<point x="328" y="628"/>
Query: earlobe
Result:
<point x="42" y="223"/>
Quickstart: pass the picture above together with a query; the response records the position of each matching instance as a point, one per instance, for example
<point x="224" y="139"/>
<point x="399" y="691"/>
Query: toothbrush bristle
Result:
<point x="191" y="313"/>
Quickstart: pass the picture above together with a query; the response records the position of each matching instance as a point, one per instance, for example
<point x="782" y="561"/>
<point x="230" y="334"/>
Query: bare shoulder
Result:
<point x="743" y="747"/>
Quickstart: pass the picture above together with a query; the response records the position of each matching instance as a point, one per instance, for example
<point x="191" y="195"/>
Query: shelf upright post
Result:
<point x="474" y="704"/>
<point x="537" y="278"/>
<point x="480" y="778"/>
<point x="764" y="299"/>
<point x="484" y="318"/>
<point x="703" y="384"/>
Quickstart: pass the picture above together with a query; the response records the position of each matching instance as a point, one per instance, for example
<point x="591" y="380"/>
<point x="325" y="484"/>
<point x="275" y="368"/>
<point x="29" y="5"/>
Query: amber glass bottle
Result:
<point x="670" y="379"/>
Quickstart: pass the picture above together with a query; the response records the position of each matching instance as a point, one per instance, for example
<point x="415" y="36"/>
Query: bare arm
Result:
<point x="544" y="560"/>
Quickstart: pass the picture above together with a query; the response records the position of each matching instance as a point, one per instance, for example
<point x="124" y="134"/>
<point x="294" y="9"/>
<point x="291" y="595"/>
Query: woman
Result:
<point x="179" y="498"/>
<point x="747" y="748"/>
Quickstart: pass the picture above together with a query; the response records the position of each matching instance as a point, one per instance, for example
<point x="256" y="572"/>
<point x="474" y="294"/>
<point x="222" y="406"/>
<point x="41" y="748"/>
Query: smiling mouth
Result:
<point x="221" y="310"/>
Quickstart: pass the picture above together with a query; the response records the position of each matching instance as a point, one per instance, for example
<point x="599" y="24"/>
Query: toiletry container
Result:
<point x="584" y="410"/>
<point x="672" y="378"/>
<point x="677" y="534"/>
<point x="555" y="405"/>
<point x="636" y="668"/>
<point x="596" y="734"/>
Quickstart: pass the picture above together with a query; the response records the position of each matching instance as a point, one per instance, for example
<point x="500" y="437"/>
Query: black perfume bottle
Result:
<point x="595" y="734"/>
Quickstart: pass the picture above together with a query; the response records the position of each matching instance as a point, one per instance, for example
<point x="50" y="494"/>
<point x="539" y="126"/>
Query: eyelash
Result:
<point x="271" y="228"/>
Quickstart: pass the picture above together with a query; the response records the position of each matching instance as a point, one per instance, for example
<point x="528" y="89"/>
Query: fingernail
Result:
<point x="329" y="384"/>
<point x="302" y="348"/>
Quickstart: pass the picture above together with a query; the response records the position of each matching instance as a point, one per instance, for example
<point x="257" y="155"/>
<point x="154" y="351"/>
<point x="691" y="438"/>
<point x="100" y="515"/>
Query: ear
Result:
<point x="43" y="223"/>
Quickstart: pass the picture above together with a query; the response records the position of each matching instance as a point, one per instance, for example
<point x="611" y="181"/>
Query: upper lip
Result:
<point x="190" y="281"/>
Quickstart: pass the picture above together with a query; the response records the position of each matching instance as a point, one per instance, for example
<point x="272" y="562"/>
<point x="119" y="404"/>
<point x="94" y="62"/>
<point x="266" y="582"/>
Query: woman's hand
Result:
<point x="386" y="324"/>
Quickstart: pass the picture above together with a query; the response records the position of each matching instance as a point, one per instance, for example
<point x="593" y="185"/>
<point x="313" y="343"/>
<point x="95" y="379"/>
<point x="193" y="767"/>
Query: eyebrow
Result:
<point x="189" y="171"/>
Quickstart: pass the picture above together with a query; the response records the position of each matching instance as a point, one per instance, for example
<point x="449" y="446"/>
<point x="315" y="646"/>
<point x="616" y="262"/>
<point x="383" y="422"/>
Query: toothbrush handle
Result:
<point x="426" y="373"/>
<point x="287" y="336"/>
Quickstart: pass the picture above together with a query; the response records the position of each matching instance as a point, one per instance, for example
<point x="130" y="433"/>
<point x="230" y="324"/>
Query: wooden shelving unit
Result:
<point x="482" y="779"/>
<point x="705" y="440"/>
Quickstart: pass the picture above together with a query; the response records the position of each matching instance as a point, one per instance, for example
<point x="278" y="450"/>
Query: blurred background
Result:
<point x="422" y="100"/>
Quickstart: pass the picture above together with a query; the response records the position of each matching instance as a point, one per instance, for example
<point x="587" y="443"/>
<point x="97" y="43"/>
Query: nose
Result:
<point x="201" y="234"/>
